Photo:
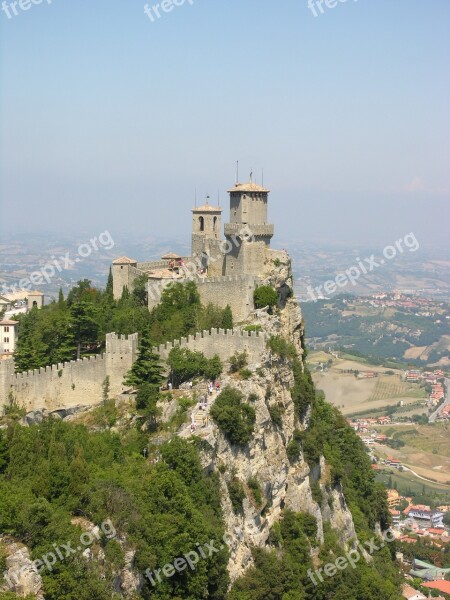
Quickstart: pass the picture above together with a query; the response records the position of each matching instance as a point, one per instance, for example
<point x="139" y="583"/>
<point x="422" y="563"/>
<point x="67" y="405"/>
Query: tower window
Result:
<point x="214" y="223"/>
<point x="201" y="221"/>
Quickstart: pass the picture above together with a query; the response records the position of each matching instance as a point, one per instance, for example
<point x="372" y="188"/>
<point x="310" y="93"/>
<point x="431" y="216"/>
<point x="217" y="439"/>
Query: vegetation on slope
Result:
<point x="54" y="471"/>
<point x="76" y="326"/>
<point x="51" y="472"/>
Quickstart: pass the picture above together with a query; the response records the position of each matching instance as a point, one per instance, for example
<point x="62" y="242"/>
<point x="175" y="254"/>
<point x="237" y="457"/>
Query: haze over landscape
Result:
<point x="112" y="121"/>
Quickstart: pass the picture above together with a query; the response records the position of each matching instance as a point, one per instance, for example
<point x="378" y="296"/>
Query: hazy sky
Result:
<point x="110" y="120"/>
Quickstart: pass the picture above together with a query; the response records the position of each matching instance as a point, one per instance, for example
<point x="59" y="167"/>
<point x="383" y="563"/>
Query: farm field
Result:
<point x="426" y="450"/>
<point x="352" y="395"/>
<point x="391" y="386"/>
<point x="406" y="483"/>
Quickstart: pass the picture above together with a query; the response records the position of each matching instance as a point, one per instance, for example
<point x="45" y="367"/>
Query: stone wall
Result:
<point x="223" y="342"/>
<point x="71" y="383"/>
<point x="237" y="291"/>
<point x="80" y="382"/>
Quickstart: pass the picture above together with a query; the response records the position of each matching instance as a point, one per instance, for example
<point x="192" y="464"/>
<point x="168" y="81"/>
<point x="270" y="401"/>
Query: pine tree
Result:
<point x="227" y="318"/>
<point x="85" y="327"/>
<point x="31" y="350"/>
<point x="109" y="292"/>
<point x="147" y="368"/>
<point x="60" y="298"/>
<point x="59" y="468"/>
<point x="4" y="452"/>
<point x="79" y="474"/>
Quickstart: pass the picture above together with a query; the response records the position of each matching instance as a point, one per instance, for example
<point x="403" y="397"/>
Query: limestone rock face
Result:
<point x="129" y="580"/>
<point x="283" y="484"/>
<point x="22" y="576"/>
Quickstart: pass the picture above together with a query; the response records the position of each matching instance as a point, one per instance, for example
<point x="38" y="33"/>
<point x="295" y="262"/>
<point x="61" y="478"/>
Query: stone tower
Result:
<point x="206" y="237"/>
<point x="122" y="275"/>
<point x="248" y="213"/>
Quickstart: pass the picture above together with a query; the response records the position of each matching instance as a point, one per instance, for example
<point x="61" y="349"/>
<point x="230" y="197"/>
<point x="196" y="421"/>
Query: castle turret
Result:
<point x="206" y="237"/>
<point x="122" y="276"/>
<point x="248" y="232"/>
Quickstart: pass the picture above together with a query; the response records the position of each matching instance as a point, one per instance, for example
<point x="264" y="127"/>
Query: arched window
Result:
<point x="201" y="221"/>
<point x="214" y="223"/>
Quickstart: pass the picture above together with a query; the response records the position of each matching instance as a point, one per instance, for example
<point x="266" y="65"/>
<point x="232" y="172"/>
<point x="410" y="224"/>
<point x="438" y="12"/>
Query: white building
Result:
<point x="21" y="301"/>
<point x="8" y="336"/>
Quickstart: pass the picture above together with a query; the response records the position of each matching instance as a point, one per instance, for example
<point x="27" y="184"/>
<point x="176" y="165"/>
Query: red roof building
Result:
<point x="441" y="585"/>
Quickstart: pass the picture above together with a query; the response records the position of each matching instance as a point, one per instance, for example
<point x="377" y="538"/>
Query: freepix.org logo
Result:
<point x="157" y="11"/>
<point x="12" y="9"/>
<point x="317" y="7"/>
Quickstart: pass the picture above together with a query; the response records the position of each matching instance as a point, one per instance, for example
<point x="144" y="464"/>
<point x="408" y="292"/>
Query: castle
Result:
<point x="226" y="270"/>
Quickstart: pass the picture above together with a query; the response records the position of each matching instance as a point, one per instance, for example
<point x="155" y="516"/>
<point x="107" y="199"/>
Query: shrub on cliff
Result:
<point x="238" y="361"/>
<point x="235" y="418"/>
<point x="237" y="495"/>
<point x="279" y="345"/>
<point x="265" y="296"/>
<point x="185" y="365"/>
<point x="303" y="393"/>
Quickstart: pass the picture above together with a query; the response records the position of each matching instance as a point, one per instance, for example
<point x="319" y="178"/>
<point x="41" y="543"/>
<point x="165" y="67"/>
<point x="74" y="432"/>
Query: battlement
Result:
<point x="80" y="382"/>
<point x="236" y="229"/>
<point x="229" y="279"/>
<point x="72" y="383"/>
<point x="60" y="369"/>
<point x="223" y="342"/>
<point x="121" y="344"/>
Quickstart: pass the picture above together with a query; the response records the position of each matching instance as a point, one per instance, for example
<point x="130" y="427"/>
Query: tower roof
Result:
<point x="124" y="260"/>
<point x="248" y="187"/>
<point x="207" y="208"/>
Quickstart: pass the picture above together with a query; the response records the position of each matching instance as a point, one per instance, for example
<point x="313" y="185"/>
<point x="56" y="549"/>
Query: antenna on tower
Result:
<point x="218" y="197"/>
<point x="251" y="176"/>
<point x="237" y="172"/>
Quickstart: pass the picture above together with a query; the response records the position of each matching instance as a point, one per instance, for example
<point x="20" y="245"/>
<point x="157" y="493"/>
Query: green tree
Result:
<point x="186" y="364"/>
<point x="85" y="325"/>
<point x="147" y="401"/>
<point x="235" y="418"/>
<point x="265" y="296"/>
<point x="227" y="318"/>
<point x="79" y="476"/>
<point x="213" y="368"/>
<point x="147" y="367"/>
<point x="238" y="361"/>
<point x="31" y="352"/>
<point x="140" y="290"/>
<point x="109" y="291"/>
<point x="4" y="452"/>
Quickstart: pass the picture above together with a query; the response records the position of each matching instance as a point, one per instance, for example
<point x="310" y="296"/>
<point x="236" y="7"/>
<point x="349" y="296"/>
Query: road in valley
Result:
<point x="437" y="412"/>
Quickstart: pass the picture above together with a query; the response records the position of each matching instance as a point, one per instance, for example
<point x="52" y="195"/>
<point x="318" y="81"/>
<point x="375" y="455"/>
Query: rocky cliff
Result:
<point x="284" y="483"/>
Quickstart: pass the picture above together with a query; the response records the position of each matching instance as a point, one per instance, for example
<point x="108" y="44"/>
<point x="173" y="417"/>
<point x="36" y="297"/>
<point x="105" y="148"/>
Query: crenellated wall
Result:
<point x="80" y="382"/>
<point x="73" y="383"/>
<point x="223" y="342"/>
